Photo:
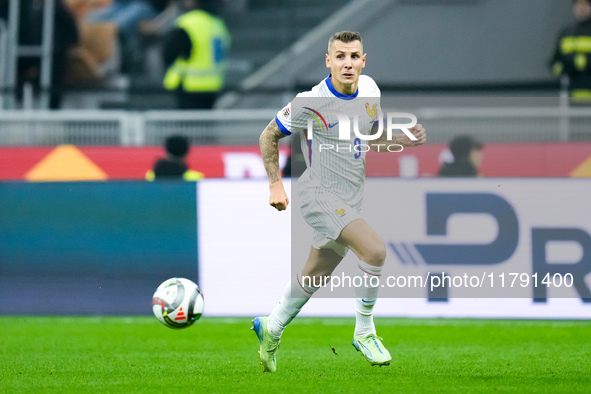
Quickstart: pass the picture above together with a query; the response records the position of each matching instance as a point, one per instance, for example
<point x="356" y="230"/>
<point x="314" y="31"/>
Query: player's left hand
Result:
<point x="420" y="133"/>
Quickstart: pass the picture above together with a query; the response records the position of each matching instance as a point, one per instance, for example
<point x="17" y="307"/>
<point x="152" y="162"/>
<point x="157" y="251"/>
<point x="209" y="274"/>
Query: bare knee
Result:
<point x="364" y="242"/>
<point x="374" y="254"/>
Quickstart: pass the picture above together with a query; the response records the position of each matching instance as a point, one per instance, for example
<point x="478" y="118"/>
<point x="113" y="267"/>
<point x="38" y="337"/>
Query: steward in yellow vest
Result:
<point x="195" y="54"/>
<point x="174" y="165"/>
<point x="572" y="54"/>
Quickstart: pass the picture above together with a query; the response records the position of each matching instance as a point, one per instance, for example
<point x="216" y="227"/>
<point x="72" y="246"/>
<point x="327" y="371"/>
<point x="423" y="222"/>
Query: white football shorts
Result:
<point x="327" y="215"/>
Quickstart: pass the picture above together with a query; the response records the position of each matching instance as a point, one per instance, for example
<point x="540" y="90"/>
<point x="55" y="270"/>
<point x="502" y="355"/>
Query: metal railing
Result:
<point x="243" y="127"/>
<point x="509" y="124"/>
<point x="108" y="128"/>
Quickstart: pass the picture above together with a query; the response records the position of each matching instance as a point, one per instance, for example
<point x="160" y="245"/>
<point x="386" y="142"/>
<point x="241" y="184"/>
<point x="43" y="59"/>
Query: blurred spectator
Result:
<point x="467" y="158"/>
<point x="127" y="15"/>
<point x="195" y="55"/>
<point x="476" y="155"/>
<point x="4" y="10"/>
<point x="571" y="54"/>
<point x="65" y="37"/>
<point x="174" y="166"/>
<point x="163" y="23"/>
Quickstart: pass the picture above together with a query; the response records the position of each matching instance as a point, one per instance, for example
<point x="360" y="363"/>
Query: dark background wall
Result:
<point x="460" y="41"/>
<point x="93" y="248"/>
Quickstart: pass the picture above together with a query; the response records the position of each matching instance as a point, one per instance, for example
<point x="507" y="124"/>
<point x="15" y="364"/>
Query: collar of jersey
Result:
<point x="340" y="95"/>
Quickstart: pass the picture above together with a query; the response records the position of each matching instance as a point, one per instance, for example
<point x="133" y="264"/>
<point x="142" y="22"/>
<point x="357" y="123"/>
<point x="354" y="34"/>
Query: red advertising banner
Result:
<point x="67" y="162"/>
<point x="499" y="160"/>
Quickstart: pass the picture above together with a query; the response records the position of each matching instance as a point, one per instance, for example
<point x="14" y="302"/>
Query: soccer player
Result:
<point x="330" y="192"/>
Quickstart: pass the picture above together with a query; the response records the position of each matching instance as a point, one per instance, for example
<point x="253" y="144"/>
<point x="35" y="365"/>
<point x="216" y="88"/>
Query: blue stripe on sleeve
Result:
<point x="281" y="126"/>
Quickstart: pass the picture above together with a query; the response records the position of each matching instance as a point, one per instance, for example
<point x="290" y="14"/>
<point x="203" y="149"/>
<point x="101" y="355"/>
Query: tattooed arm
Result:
<point x="270" y="152"/>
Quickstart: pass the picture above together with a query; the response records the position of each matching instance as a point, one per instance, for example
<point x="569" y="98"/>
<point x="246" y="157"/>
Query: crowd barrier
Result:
<point x="505" y="120"/>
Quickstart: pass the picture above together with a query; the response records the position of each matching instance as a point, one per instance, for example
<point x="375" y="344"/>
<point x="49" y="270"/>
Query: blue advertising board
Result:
<point x="93" y="248"/>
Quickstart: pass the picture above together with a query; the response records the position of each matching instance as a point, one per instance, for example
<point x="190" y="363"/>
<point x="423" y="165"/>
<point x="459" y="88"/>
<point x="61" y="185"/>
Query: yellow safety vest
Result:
<point x="189" y="176"/>
<point x="204" y="70"/>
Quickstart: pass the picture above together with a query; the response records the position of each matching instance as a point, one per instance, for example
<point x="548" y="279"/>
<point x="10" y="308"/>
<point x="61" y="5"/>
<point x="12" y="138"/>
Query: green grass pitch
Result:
<point x="117" y="354"/>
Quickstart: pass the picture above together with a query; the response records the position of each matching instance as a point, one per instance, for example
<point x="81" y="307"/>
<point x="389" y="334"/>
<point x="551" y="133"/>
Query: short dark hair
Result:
<point x="344" y="36"/>
<point x="461" y="146"/>
<point x="177" y="145"/>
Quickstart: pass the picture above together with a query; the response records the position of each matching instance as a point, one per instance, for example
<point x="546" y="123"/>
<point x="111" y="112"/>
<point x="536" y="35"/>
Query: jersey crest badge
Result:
<point x="371" y="111"/>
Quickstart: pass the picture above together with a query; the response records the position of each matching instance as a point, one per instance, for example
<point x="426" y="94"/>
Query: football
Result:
<point x="177" y="303"/>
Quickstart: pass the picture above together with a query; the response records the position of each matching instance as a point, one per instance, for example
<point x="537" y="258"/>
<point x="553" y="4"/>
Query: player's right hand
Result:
<point x="278" y="198"/>
<point x="420" y="134"/>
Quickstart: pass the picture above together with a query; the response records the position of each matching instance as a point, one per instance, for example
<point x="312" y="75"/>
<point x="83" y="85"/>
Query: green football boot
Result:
<point x="269" y="345"/>
<point x="372" y="349"/>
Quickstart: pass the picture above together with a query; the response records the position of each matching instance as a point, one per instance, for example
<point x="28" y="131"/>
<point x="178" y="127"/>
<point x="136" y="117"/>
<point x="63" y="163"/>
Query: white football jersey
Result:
<point x="334" y="164"/>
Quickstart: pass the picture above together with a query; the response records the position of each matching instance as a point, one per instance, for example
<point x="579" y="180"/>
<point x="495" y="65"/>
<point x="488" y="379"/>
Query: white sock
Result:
<point x="365" y="298"/>
<point x="289" y="305"/>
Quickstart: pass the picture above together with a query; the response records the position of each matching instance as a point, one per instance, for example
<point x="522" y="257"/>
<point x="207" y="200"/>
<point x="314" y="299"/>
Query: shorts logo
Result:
<point x="340" y="212"/>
